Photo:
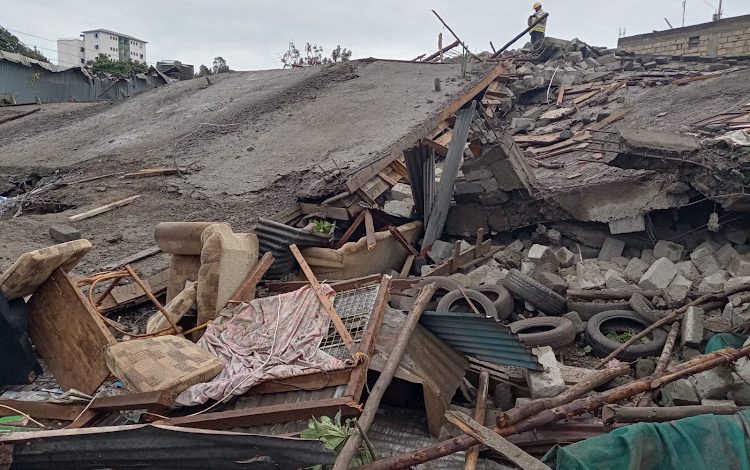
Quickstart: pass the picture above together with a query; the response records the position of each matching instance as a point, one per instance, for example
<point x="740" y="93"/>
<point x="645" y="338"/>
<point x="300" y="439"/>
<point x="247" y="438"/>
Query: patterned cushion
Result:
<point x="162" y="363"/>
<point x="33" y="268"/>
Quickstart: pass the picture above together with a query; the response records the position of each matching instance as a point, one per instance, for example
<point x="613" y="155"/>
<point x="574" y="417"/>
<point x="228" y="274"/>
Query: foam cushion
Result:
<point x="169" y="363"/>
<point x="32" y="269"/>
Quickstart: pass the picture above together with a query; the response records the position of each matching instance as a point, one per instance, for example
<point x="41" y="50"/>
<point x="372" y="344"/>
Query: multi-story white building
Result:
<point x="76" y="52"/>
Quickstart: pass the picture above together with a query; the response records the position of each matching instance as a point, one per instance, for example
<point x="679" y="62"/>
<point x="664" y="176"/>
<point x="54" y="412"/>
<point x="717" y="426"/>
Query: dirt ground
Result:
<point x="253" y="141"/>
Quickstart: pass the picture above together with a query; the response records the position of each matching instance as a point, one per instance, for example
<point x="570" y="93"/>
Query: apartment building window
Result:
<point x="141" y="56"/>
<point x="96" y="47"/>
<point x="83" y="61"/>
<point x="694" y="42"/>
<point x="83" y="50"/>
<point x="96" y="35"/>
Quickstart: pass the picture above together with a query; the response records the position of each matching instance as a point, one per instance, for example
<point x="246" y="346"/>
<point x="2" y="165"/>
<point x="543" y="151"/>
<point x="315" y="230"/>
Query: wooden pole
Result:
<point x="247" y="289"/>
<point x="440" y="46"/>
<point x="661" y="365"/>
<point x="510" y="43"/>
<point x="457" y="38"/>
<point x="574" y="408"/>
<point x="15" y="116"/>
<point x="480" y="413"/>
<point x="327" y="304"/>
<point x="370" y="231"/>
<point x="147" y="290"/>
<point x="494" y="441"/>
<point x="365" y="420"/>
<point x="657" y="414"/>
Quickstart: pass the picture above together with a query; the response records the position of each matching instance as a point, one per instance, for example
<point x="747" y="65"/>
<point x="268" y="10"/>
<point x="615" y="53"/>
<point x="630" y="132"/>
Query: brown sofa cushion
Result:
<point x="180" y="238"/>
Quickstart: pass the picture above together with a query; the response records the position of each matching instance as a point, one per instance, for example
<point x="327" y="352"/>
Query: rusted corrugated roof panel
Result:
<point x="166" y="447"/>
<point x="480" y="337"/>
<point x="276" y="238"/>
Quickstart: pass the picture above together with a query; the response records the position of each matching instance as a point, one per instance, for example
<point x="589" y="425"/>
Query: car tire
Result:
<point x="454" y="301"/>
<point x="555" y="332"/>
<point x="536" y="293"/>
<point x="619" y="320"/>
<point x="500" y="297"/>
<point x="587" y="310"/>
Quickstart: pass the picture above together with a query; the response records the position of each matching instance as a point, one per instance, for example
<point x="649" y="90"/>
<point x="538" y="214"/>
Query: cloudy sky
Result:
<point x="252" y="34"/>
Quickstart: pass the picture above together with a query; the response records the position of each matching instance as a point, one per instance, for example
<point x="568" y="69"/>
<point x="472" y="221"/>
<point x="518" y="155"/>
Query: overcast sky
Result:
<point x="253" y="34"/>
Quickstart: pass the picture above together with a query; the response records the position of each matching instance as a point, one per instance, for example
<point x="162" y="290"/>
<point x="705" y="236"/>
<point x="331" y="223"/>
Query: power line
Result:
<point x="29" y="34"/>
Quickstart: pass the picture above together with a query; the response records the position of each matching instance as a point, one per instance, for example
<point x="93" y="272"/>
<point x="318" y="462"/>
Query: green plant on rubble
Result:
<point x="333" y="434"/>
<point x="624" y="337"/>
<point x="323" y="226"/>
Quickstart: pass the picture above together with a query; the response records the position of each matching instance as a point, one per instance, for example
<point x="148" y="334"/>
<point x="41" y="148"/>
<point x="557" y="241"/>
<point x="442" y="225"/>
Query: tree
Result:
<point x="10" y="43"/>
<point x="220" y="65"/>
<point x="103" y="63"/>
<point x="313" y="56"/>
<point x="203" y="71"/>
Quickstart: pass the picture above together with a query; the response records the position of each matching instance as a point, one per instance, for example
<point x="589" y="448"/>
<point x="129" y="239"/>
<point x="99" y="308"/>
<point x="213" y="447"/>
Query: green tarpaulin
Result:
<point x="696" y="443"/>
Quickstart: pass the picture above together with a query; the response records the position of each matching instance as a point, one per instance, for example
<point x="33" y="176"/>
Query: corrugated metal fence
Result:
<point x="29" y="81"/>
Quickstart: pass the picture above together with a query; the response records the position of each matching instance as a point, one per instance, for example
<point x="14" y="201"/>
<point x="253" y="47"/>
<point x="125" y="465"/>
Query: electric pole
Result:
<point x="684" y="7"/>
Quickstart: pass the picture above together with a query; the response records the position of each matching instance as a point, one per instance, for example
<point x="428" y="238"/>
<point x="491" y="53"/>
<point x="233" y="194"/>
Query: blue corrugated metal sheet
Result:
<point x="32" y="82"/>
<point x="480" y="337"/>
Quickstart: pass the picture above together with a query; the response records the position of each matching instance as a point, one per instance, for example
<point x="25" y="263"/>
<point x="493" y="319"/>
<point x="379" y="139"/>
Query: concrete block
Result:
<point x="644" y="367"/>
<point x="621" y="262"/>
<point x="689" y="353"/>
<point x="737" y="282"/>
<point x="629" y="225"/>
<point x="688" y="269"/>
<point x="503" y="396"/>
<point x="647" y="256"/>
<point x="64" y="233"/>
<point x="521" y="124"/>
<point x="678" y="289"/>
<point x="486" y="275"/>
<point x="705" y="261"/>
<point x="725" y="254"/>
<point x="588" y="275"/>
<point x="440" y="251"/>
<point x="574" y="57"/>
<point x="402" y="192"/>
<point x="543" y="257"/>
<point x="614" y="280"/>
<point x="666" y="249"/>
<point x="740" y="394"/>
<point x="713" y="283"/>
<point x="579" y="324"/>
<point x="736" y="314"/>
<point x="717" y="324"/>
<point x="547" y="383"/>
<point x="742" y="366"/>
<point x="727" y="403"/>
<point x="611" y="248"/>
<point x="713" y="383"/>
<point x="659" y="275"/>
<point x="517" y="245"/>
<point x="708" y="245"/>
<point x="679" y="393"/>
<point x="475" y="174"/>
<point x="606" y="59"/>
<point x="591" y="62"/>
<point x="552" y="280"/>
<point x="635" y="269"/>
<point x="399" y="208"/>
<point x="528" y="268"/>
<point x="692" y="327"/>
<point x="739" y="266"/>
<point x="462" y="279"/>
<point x="554" y="237"/>
<point x="738" y="236"/>
<point x="566" y="257"/>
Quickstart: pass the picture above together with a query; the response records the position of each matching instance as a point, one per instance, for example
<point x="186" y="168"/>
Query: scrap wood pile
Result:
<point x="507" y="343"/>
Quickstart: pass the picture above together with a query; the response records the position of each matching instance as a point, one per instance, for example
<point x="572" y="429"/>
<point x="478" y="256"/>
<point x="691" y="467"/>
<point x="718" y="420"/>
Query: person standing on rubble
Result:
<point x="537" y="32"/>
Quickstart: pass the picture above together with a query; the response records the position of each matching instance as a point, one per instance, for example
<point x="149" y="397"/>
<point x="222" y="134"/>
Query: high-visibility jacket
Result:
<point x="542" y="26"/>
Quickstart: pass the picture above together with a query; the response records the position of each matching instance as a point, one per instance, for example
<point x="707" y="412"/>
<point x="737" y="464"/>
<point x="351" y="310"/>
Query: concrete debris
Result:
<point x="692" y="327"/>
<point x="678" y="289"/>
<point x="659" y="275"/>
<point x="64" y="233"/>
<point x="553" y="281"/>
<point x="543" y="257"/>
<point x="666" y="249"/>
<point x="579" y="324"/>
<point x="713" y="383"/>
<point x="612" y="248"/>
<point x="613" y="280"/>
<point x="713" y="283"/>
<point x="680" y="393"/>
<point x="689" y="271"/>
<point x="725" y="254"/>
<point x="547" y="383"/>
<point x="635" y="269"/>
<point x="704" y="260"/>
<point x="739" y="266"/>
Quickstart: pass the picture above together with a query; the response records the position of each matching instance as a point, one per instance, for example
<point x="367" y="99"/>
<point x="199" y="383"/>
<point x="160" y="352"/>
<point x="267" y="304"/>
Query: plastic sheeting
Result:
<point x="696" y="443"/>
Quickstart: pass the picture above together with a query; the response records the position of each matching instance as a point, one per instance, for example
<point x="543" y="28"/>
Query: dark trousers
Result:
<point x="536" y="36"/>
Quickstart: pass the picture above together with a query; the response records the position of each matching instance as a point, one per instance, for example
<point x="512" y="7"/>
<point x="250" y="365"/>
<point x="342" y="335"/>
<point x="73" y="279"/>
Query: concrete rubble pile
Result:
<point x="477" y="278"/>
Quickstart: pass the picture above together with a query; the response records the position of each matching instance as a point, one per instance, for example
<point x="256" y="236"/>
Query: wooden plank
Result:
<point x="282" y="413"/>
<point x="246" y="292"/>
<point x="158" y="283"/>
<point x="560" y="96"/>
<point x="312" y="381"/>
<point x="329" y="212"/>
<point x="339" y="286"/>
<point x="494" y="441"/>
<point x="350" y="231"/>
<point x="480" y="413"/>
<point x="407" y="267"/>
<point x="465" y="259"/>
<point x="324" y="300"/>
<point x="43" y="409"/>
<point x="387" y="178"/>
<point x="400" y="168"/>
<point x="151" y="172"/>
<point x="544" y="139"/>
<point x="156" y="402"/>
<point x="132" y="258"/>
<point x="370" y="231"/>
<point x="585" y="97"/>
<point x="84" y="420"/>
<point x="69" y="334"/>
<point x="103" y="209"/>
<point x="399" y="237"/>
<point x="611" y="119"/>
<point x="127" y="292"/>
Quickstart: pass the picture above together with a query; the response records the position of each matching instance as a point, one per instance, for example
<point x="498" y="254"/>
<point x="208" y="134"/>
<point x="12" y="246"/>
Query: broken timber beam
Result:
<point x="324" y="300"/>
<point x="103" y="209"/>
<point x="658" y="414"/>
<point x="494" y="441"/>
<point x="370" y="230"/>
<point x="480" y="413"/>
<point x="242" y="294"/>
<point x="15" y="116"/>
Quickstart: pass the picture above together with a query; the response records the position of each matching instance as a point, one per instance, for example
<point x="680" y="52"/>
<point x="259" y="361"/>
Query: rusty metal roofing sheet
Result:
<point x="480" y="337"/>
<point x="276" y="238"/>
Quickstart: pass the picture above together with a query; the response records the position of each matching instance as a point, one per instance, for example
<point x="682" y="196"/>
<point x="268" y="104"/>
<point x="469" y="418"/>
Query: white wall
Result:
<point x="101" y="43"/>
<point x="69" y="53"/>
